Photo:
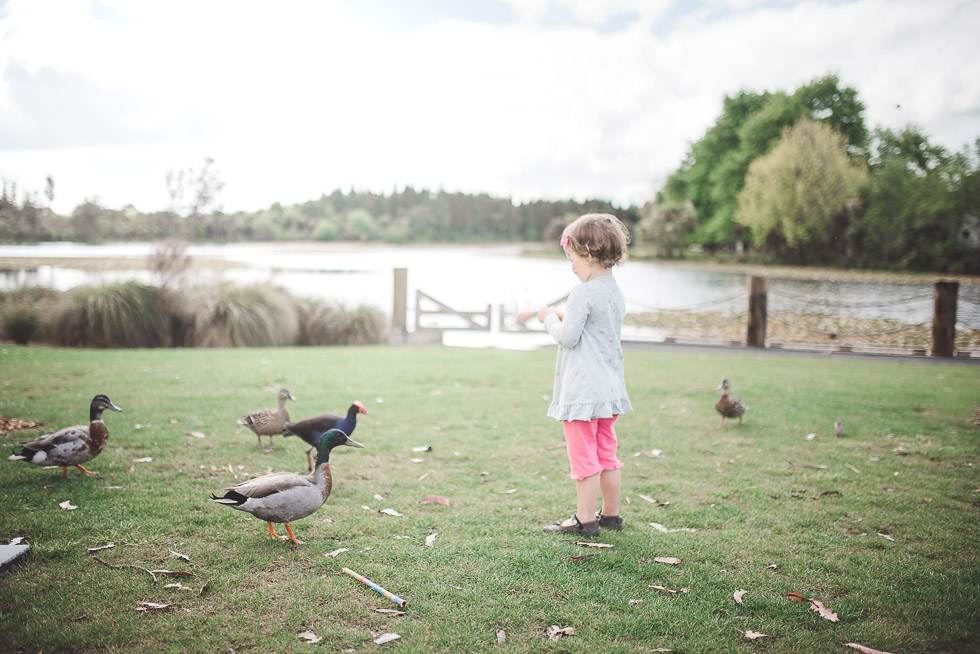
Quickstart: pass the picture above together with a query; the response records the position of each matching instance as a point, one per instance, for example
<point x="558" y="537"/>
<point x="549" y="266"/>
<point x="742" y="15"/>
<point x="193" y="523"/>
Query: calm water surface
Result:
<point x="470" y="277"/>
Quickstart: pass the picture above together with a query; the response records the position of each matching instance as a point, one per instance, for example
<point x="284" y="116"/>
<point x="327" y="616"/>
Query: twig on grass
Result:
<point x="806" y="465"/>
<point x="121" y="567"/>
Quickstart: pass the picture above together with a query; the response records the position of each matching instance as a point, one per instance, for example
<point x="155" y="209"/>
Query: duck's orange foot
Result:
<point x="84" y="471"/>
<point x="292" y="536"/>
<point x="272" y="532"/>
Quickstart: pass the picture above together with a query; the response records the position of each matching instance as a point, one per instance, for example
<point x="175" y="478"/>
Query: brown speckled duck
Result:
<point x="71" y="446"/>
<point x="285" y="496"/>
<point x="269" y="422"/>
<point x="729" y="406"/>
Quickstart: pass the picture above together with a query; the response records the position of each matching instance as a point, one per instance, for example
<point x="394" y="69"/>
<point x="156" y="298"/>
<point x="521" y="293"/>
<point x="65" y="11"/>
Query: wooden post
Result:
<point x="399" y="313"/>
<point x="756" y="333"/>
<point x="944" y="319"/>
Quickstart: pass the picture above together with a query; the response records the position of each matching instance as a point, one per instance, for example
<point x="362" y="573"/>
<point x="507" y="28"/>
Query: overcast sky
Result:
<point x="527" y="99"/>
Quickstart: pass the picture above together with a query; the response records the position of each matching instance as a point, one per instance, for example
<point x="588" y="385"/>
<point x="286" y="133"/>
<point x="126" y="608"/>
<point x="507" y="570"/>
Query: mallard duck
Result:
<point x="729" y="406"/>
<point x="311" y="429"/>
<point x="285" y="496"/>
<point x="838" y="428"/>
<point x="71" y="446"/>
<point x="269" y="422"/>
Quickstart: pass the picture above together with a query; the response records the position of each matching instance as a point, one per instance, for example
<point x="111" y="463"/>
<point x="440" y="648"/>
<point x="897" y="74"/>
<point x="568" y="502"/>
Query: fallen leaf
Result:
<point x="389" y="611"/>
<point x="68" y="506"/>
<point x="16" y="541"/>
<point x="178" y="555"/>
<point x="866" y="650"/>
<point x="555" y="632"/>
<point x="810" y="437"/>
<point x="796" y="596"/>
<point x="824" y="612"/>
<point x="508" y="492"/>
<point x="386" y="638"/>
<point x="754" y="634"/>
<point x="430" y="539"/>
<point x="660" y="527"/>
<point x="434" y="499"/>
<point x="852" y="468"/>
<point x="670" y="560"/>
<point x="309" y="637"/>
<point x="634" y="602"/>
<point x="336" y="552"/>
<point x="422" y="448"/>
<point x="104" y="547"/>
<point x="886" y="536"/>
<point x="145" y="459"/>
<point x="738" y="596"/>
<point x="391" y="512"/>
<point x="588" y="544"/>
<point x="380" y="498"/>
<point x="173" y="573"/>
<point x="670" y="590"/>
<point x="150" y="606"/>
<point x="771" y="566"/>
<point x="195" y="434"/>
<point x="367" y="508"/>
<point x="647" y="498"/>
<point x="415" y="459"/>
<point x="582" y="556"/>
<point x="178" y="586"/>
<point x="501" y="636"/>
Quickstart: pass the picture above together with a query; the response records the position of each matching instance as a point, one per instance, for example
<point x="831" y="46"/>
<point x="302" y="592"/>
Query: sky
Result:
<point x="521" y="99"/>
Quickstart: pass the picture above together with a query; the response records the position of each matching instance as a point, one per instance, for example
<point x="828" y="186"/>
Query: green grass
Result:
<point x="490" y="566"/>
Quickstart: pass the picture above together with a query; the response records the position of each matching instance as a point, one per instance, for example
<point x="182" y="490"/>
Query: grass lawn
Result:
<point x="880" y="525"/>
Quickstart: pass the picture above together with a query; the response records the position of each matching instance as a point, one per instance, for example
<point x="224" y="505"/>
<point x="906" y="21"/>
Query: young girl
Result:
<point x="590" y="392"/>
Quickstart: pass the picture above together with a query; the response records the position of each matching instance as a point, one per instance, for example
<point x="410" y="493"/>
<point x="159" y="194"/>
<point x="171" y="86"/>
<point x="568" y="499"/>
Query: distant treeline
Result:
<point x="406" y="216"/>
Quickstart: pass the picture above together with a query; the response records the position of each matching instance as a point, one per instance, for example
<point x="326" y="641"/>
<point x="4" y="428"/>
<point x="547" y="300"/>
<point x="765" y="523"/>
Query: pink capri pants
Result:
<point x="591" y="446"/>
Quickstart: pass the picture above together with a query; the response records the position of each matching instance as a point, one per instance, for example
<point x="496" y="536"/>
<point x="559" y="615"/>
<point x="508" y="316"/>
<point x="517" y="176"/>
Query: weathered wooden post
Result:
<point x="944" y="319"/>
<point x="756" y="333"/>
<point x="399" y="312"/>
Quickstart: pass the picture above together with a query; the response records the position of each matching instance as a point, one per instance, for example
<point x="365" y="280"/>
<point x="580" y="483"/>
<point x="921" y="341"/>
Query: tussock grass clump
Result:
<point x="225" y="315"/>
<point x="129" y="314"/>
<point x="22" y="313"/>
<point x="335" y="324"/>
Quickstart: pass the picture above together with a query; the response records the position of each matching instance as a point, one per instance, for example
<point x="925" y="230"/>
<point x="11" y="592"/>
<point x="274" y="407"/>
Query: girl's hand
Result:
<point x="543" y="313"/>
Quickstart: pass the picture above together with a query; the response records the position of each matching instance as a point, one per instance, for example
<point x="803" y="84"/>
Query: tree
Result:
<point x="713" y="173"/>
<point x="793" y="194"/>
<point x="917" y="201"/>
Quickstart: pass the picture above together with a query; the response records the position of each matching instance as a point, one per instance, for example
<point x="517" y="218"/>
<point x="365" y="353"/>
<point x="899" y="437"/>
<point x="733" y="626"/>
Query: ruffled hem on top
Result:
<point x="590" y="411"/>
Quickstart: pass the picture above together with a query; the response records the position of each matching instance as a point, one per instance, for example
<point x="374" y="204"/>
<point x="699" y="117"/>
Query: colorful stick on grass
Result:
<point x="367" y="582"/>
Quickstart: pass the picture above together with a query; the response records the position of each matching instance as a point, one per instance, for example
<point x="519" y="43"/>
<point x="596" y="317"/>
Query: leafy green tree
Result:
<point x="361" y="225"/>
<point x="793" y="194"/>
<point x="917" y="200"/>
<point x="713" y="173"/>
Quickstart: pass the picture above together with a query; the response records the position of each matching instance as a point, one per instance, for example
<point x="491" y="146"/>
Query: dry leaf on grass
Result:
<point x="389" y="611"/>
<point x="795" y="595"/>
<point x="555" y="632"/>
<point x="386" y="638"/>
<point x="866" y="650"/>
<point x="336" y="552"/>
<point x="661" y="528"/>
<point x="178" y="586"/>
<point x="501" y="636"/>
<point x="886" y="536"/>
<point x="103" y="547"/>
<point x="195" y="434"/>
<point x="738" y="596"/>
<point x="755" y="634"/>
<point x="178" y="555"/>
<point x="422" y="448"/>
<point x="584" y="543"/>
<point x="434" y="499"/>
<point x="647" y="498"/>
<point x="671" y="590"/>
<point x="392" y="512"/>
<point x="68" y="506"/>
<point x="634" y="602"/>
<point x="430" y="539"/>
<point x="670" y="560"/>
<point x="151" y="606"/>
<point x="16" y="541"/>
<point x="309" y="637"/>
<point x="509" y="491"/>
<point x="824" y="612"/>
<point x="582" y="556"/>
<point x="145" y="459"/>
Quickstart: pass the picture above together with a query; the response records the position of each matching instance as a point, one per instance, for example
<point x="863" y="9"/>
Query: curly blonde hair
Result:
<point x="601" y="237"/>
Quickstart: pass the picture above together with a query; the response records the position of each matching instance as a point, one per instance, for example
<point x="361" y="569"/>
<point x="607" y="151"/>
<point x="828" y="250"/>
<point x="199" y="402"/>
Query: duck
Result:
<point x="729" y="406"/>
<point x="310" y="429"/>
<point x="283" y="497"/>
<point x="838" y="428"/>
<point x="269" y="422"/>
<point x="71" y="446"/>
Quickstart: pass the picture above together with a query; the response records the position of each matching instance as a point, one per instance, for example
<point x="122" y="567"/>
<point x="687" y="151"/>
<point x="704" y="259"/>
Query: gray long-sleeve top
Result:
<point x="589" y="379"/>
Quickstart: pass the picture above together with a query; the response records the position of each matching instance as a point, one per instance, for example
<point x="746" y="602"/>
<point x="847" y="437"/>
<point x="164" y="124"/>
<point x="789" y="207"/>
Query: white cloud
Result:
<point x="304" y="99"/>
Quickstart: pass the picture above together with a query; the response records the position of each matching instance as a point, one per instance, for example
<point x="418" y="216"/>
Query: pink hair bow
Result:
<point x="564" y="240"/>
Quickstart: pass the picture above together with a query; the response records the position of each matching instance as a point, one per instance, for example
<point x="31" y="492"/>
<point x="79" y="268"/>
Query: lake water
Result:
<point x="470" y="277"/>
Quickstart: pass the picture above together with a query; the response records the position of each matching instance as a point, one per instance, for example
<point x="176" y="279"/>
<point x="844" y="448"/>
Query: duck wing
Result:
<point x="267" y="485"/>
<point x="63" y="447"/>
